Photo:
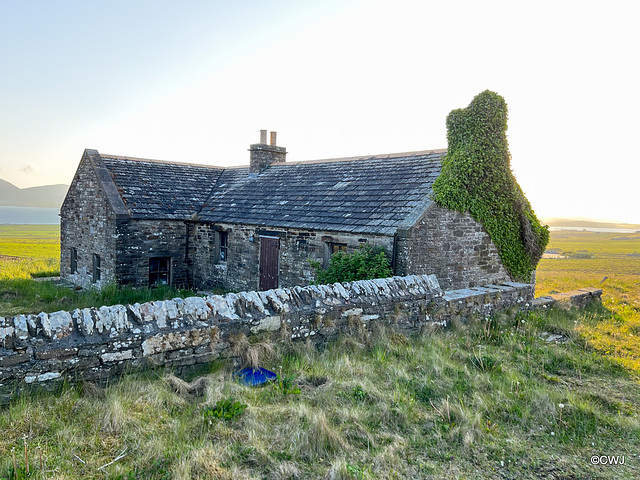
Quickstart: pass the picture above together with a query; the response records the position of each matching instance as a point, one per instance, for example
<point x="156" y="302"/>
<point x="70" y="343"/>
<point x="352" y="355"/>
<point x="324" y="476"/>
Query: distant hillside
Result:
<point x="47" y="196"/>
<point x="587" y="223"/>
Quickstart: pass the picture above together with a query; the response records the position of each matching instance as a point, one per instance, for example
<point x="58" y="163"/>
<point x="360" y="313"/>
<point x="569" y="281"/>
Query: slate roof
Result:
<point x="372" y="194"/>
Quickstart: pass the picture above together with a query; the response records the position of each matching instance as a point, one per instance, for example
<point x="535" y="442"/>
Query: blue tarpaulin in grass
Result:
<point x="254" y="377"/>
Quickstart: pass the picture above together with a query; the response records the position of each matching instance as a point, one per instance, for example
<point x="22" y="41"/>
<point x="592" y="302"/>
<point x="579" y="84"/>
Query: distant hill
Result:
<point x="588" y="223"/>
<point x="47" y="196"/>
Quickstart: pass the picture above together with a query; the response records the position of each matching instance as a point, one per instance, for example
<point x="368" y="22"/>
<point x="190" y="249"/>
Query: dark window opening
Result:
<point x="73" y="260"/>
<point x="223" y="238"/>
<point x="95" y="274"/>
<point x="159" y="271"/>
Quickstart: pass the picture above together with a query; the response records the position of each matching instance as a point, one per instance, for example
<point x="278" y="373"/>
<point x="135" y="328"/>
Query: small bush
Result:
<point x="365" y="263"/>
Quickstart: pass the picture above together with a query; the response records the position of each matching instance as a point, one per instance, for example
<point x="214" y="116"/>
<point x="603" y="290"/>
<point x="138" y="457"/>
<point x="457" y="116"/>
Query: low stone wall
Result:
<point x="97" y="343"/>
<point x="575" y="298"/>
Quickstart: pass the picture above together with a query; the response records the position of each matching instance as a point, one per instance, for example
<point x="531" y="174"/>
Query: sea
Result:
<point x="595" y="229"/>
<point x="29" y="216"/>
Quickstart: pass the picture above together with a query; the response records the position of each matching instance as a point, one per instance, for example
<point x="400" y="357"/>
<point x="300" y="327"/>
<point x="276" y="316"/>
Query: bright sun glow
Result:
<point x="196" y="83"/>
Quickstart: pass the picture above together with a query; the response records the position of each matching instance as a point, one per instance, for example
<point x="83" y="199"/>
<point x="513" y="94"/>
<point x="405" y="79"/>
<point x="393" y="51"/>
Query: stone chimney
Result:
<point x="263" y="155"/>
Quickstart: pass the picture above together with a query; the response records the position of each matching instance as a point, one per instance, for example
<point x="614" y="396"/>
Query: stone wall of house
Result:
<point x="94" y="344"/>
<point x="87" y="224"/>
<point x="451" y="245"/>
<point x="241" y="271"/>
<point x="140" y="240"/>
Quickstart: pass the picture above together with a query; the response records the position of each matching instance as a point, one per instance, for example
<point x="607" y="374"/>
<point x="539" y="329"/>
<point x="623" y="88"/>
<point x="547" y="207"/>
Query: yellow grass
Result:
<point x="615" y="269"/>
<point x="28" y="249"/>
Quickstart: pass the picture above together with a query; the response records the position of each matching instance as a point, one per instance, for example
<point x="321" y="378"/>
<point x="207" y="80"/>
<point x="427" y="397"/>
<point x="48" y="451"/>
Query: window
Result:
<point x="223" y="238"/>
<point x="331" y="248"/>
<point x="95" y="273"/>
<point x="337" y="247"/>
<point x="159" y="271"/>
<point x="73" y="255"/>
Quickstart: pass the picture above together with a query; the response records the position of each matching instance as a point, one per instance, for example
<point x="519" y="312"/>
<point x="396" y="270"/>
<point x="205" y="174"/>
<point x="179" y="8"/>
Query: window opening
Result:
<point x="224" y="238"/>
<point x="96" y="271"/>
<point x="159" y="271"/>
<point x="73" y="260"/>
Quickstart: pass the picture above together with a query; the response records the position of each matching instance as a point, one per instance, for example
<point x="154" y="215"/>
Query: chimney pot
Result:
<point x="273" y="139"/>
<point x="263" y="137"/>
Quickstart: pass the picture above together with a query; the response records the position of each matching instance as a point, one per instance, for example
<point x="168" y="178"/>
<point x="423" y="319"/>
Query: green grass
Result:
<point x="30" y="241"/>
<point x="614" y="269"/>
<point x="478" y="400"/>
<point x="466" y="402"/>
<point x="32" y="251"/>
<point x="28" y="251"/>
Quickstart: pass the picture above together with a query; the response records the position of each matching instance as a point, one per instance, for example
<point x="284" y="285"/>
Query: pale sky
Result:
<point x="195" y="81"/>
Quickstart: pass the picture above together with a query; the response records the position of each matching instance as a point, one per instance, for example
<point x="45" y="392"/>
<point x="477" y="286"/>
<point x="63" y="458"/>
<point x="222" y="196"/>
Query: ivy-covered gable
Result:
<point x="477" y="178"/>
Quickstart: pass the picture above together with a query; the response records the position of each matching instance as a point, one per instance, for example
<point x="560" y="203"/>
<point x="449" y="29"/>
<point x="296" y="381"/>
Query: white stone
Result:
<point x="87" y="320"/>
<point x="220" y="306"/>
<point x="268" y="324"/>
<point x="5" y="332"/>
<point x="252" y="298"/>
<point x="20" y="324"/>
<point x="175" y="341"/>
<point x="117" y="356"/>
<point x="196" y="308"/>
<point x="49" y="376"/>
<point x="113" y="319"/>
<point x="32" y="321"/>
<point x="135" y="311"/>
<point x="56" y="325"/>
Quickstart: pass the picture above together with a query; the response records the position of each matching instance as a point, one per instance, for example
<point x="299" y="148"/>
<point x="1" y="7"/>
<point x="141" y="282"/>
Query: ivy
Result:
<point x="477" y="178"/>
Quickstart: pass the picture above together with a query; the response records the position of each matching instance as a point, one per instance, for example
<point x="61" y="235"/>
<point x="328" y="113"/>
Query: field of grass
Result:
<point x="28" y="251"/>
<point x="615" y="269"/>
<point x="481" y="400"/>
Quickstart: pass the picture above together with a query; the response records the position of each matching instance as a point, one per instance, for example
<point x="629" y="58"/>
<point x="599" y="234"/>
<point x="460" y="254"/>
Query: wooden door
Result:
<point x="269" y="253"/>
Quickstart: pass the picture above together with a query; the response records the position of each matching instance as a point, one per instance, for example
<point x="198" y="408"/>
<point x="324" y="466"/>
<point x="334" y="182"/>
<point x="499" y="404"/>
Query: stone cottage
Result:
<point x="146" y="222"/>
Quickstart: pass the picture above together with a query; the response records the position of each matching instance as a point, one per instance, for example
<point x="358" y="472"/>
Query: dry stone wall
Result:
<point x="97" y="343"/>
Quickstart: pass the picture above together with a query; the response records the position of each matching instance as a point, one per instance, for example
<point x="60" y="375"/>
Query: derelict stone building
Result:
<point x="145" y="222"/>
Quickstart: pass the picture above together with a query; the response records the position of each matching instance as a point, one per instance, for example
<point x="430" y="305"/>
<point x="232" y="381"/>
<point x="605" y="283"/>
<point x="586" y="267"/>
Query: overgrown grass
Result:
<point x="474" y="401"/>
<point x="27" y="296"/>
<point x="487" y="399"/>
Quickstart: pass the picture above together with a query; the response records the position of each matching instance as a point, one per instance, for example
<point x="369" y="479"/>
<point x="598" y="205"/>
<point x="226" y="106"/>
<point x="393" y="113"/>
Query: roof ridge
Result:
<point x="381" y="156"/>
<point x="165" y="162"/>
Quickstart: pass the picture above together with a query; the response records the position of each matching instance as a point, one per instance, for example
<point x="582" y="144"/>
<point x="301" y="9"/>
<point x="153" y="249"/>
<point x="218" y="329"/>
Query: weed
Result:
<point x="359" y="394"/>
<point x="227" y="409"/>
<point x="286" y="385"/>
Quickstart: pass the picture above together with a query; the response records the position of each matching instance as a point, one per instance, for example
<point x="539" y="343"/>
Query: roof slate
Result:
<point x="360" y="195"/>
